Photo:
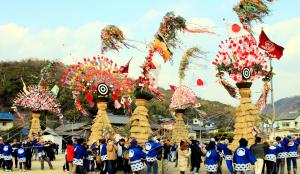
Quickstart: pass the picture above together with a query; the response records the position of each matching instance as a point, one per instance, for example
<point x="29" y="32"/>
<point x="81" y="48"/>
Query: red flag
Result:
<point x="173" y="88"/>
<point x="124" y="69"/>
<point x="272" y="49"/>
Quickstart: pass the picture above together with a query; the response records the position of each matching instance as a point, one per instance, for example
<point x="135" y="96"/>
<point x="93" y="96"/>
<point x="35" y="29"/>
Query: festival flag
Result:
<point x="272" y="49"/>
<point x="125" y="68"/>
<point x="173" y="88"/>
<point x="55" y="90"/>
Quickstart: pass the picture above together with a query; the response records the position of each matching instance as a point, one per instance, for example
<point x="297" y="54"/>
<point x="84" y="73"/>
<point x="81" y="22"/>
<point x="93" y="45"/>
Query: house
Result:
<point x="6" y="120"/>
<point x="50" y="135"/>
<point x="288" y="124"/>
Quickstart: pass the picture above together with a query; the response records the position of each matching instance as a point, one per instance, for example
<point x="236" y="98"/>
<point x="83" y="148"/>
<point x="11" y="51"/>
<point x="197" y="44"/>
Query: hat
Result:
<point x="151" y="138"/>
<point x="133" y="143"/>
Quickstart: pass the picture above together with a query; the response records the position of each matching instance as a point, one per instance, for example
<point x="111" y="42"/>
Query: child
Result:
<point x="270" y="158"/>
<point x="7" y="155"/>
<point x="90" y="163"/>
<point x="21" y="157"/>
<point x="212" y="158"/>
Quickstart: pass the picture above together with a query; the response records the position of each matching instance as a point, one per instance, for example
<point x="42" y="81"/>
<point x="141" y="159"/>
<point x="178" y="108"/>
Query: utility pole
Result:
<point x="273" y="104"/>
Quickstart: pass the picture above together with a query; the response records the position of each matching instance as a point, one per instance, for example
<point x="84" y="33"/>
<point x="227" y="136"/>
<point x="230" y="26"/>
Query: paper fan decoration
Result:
<point x="251" y="10"/>
<point x="183" y="98"/>
<point x="112" y="38"/>
<point x="99" y="76"/>
<point x="166" y="37"/>
<point x="37" y="99"/>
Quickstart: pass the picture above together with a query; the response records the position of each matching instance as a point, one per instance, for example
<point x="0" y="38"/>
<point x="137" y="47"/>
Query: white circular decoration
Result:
<point x="246" y="73"/>
<point x="103" y="89"/>
<point x="131" y="153"/>
<point x="148" y="146"/>
<point x="20" y="151"/>
<point x="208" y="154"/>
<point x="5" y="148"/>
<point x="241" y="152"/>
<point x="37" y="105"/>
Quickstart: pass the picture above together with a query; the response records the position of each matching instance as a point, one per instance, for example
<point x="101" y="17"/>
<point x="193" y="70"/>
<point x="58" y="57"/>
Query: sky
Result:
<point x="69" y="30"/>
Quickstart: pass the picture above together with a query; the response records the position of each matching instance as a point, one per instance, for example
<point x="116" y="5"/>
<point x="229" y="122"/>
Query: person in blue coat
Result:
<point x="270" y="158"/>
<point x="21" y="153"/>
<point x="103" y="156"/>
<point x="212" y="158"/>
<point x="280" y="162"/>
<point x="136" y="155"/>
<point x="292" y="154"/>
<point x="243" y="158"/>
<point x="152" y="149"/>
<point x="79" y="154"/>
<point x="8" y="155"/>
<point x="1" y="153"/>
<point x="227" y="154"/>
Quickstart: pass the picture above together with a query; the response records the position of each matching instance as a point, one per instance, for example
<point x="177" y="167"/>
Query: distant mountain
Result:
<point x="284" y="105"/>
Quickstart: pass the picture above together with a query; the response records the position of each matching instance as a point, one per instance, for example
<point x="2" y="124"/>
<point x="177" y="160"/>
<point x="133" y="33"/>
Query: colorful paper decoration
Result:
<point x="98" y="76"/>
<point x="183" y="98"/>
<point x="238" y="53"/>
<point x="166" y="37"/>
<point x="38" y="99"/>
<point x="251" y="10"/>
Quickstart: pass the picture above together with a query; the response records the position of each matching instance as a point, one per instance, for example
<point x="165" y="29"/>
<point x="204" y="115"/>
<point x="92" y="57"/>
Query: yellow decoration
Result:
<point x="35" y="124"/>
<point x="139" y="124"/>
<point x="101" y="121"/>
<point x="179" y="131"/>
<point x="246" y="118"/>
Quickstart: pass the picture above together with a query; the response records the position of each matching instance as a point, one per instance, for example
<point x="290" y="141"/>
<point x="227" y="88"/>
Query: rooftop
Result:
<point x="288" y="116"/>
<point x="7" y="116"/>
<point x="118" y="119"/>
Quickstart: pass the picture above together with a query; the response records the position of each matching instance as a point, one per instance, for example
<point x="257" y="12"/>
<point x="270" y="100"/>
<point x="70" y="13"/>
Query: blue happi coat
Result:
<point x="211" y="160"/>
<point x="271" y="153"/>
<point x="79" y="153"/>
<point x="152" y="151"/>
<point x="242" y="159"/>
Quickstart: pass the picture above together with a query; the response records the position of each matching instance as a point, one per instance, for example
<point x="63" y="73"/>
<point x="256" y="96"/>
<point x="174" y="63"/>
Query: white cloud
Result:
<point x="70" y="45"/>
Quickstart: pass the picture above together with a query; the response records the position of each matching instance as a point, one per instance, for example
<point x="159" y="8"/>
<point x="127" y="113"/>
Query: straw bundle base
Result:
<point x="100" y="123"/>
<point x="35" y="124"/>
<point x="246" y="119"/>
<point x="139" y="124"/>
<point x="180" y="131"/>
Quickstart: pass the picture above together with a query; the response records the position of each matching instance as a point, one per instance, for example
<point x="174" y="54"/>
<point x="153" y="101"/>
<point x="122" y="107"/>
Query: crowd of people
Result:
<point x="110" y="156"/>
<point x="19" y="155"/>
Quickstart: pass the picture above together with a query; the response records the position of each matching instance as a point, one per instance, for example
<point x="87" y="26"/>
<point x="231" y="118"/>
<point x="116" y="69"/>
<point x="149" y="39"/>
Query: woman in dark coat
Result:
<point x="196" y="155"/>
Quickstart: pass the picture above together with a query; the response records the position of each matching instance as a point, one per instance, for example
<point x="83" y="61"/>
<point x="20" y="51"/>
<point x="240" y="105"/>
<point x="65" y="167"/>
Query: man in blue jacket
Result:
<point x="80" y="153"/>
<point x="152" y="148"/>
<point x="7" y="155"/>
<point x="1" y="153"/>
<point x="280" y="162"/>
<point x="292" y="154"/>
<point x="136" y="155"/>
